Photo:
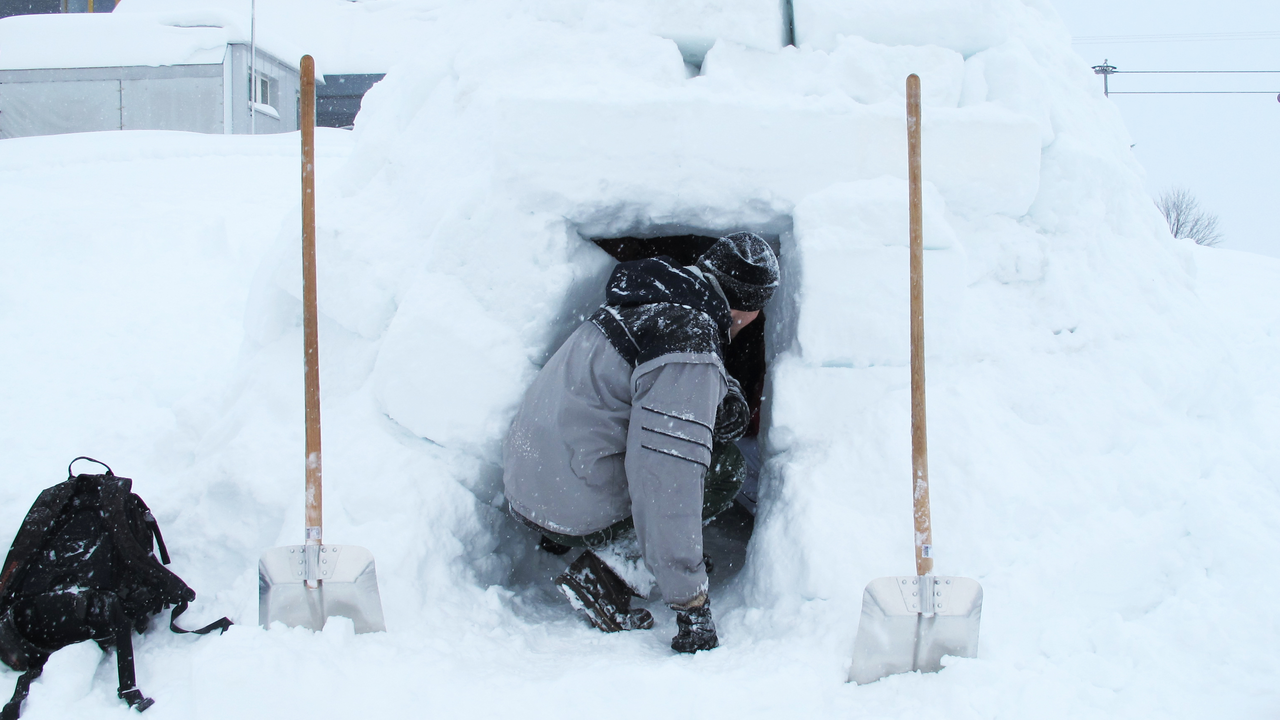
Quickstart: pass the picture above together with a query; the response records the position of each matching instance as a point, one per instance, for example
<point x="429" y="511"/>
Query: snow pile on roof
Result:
<point x="1102" y="404"/>
<point x="85" y="40"/>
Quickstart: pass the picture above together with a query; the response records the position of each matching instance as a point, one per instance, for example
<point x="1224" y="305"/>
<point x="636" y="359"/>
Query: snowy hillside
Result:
<point x="1102" y="397"/>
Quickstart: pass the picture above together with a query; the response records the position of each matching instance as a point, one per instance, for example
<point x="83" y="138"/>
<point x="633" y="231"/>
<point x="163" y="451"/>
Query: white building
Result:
<point x="86" y="72"/>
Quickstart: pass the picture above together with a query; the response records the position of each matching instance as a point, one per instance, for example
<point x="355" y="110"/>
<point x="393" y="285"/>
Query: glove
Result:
<point x="733" y="415"/>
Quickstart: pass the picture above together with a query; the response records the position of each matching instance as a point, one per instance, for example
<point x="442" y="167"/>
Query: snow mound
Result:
<point x="1101" y="396"/>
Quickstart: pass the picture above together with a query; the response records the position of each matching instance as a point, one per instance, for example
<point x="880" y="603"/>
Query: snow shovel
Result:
<point x="909" y="622"/>
<point x="302" y="585"/>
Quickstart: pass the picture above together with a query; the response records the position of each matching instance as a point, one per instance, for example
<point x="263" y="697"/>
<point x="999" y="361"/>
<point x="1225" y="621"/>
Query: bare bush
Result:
<point x="1186" y="220"/>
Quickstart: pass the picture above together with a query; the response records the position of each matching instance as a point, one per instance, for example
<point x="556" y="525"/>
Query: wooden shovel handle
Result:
<point x="310" y="333"/>
<point x="919" y="442"/>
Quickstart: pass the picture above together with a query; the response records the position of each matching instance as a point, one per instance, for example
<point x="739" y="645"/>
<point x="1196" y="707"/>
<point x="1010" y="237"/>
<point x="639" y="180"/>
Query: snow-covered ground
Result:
<point x="1102" y="398"/>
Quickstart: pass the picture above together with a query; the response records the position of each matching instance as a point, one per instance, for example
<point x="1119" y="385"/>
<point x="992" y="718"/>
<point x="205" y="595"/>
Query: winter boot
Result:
<point x="551" y="546"/>
<point x="593" y="588"/>
<point x="697" y="631"/>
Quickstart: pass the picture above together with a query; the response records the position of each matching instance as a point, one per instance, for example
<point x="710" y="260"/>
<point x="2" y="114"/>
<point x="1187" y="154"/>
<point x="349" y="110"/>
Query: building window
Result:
<point x="261" y="90"/>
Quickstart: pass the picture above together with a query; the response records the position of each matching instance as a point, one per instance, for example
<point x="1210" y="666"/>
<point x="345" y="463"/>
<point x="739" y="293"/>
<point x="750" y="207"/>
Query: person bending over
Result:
<point x="625" y="436"/>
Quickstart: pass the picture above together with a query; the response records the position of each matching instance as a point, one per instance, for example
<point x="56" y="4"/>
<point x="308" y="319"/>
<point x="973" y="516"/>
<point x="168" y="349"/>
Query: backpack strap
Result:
<point x="220" y="625"/>
<point x="155" y="533"/>
<point x="122" y="632"/>
<point x="21" y="689"/>
<point x="20" y="654"/>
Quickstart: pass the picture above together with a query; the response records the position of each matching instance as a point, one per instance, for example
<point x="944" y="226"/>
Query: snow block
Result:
<point x="695" y="25"/>
<point x="448" y="371"/>
<point x="722" y="152"/>
<point x="983" y="159"/>
<point x="864" y="71"/>
<point x="851" y="240"/>
<point x="836" y="489"/>
<point x="966" y="26"/>
<point x="1010" y="77"/>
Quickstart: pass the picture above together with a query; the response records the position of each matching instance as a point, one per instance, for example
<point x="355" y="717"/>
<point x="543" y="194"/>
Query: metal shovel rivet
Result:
<point x="948" y="582"/>
<point x="913" y="594"/>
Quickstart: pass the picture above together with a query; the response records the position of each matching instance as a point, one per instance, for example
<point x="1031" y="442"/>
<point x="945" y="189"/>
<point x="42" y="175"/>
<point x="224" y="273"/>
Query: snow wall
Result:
<point x="1096" y="463"/>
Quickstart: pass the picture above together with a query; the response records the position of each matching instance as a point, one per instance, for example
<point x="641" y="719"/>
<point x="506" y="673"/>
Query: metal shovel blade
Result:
<point x="895" y="636"/>
<point x="347" y="587"/>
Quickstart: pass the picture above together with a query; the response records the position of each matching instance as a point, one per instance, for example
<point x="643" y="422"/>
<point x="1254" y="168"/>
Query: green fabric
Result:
<point x="720" y="485"/>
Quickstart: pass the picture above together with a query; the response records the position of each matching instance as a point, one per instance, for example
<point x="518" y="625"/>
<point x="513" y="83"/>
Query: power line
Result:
<point x="1191" y="92"/>
<point x="1106" y="70"/>
<point x="1190" y="72"/>
<point x="1186" y="37"/>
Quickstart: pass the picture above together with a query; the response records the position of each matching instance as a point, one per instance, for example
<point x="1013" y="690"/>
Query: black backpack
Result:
<point x="82" y="568"/>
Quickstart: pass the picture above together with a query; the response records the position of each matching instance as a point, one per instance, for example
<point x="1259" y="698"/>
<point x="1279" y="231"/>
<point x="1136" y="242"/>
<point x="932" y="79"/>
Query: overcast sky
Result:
<point x="1224" y="148"/>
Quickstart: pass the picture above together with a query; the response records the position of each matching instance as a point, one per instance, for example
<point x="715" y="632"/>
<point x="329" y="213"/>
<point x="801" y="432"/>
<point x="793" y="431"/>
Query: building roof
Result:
<point x="80" y="40"/>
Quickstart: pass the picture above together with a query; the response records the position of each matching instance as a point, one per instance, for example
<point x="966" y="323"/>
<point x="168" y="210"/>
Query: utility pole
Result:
<point x="253" y="67"/>
<point x="1106" y="70"/>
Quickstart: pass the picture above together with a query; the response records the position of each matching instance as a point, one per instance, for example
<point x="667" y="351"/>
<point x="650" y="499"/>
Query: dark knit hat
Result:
<point x="746" y="268"/>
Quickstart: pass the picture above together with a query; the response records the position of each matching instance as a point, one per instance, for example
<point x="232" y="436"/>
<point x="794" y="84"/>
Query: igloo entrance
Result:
<point x="726" y="537"/>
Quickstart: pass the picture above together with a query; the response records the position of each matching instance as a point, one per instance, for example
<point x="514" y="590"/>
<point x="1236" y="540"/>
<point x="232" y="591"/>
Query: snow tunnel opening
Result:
<point x="726" y="537"/>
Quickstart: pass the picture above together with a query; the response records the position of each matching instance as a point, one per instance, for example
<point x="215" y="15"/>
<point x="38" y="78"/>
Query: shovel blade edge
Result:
<point x="895" y="637"/>
<point x="348" y="587"/>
